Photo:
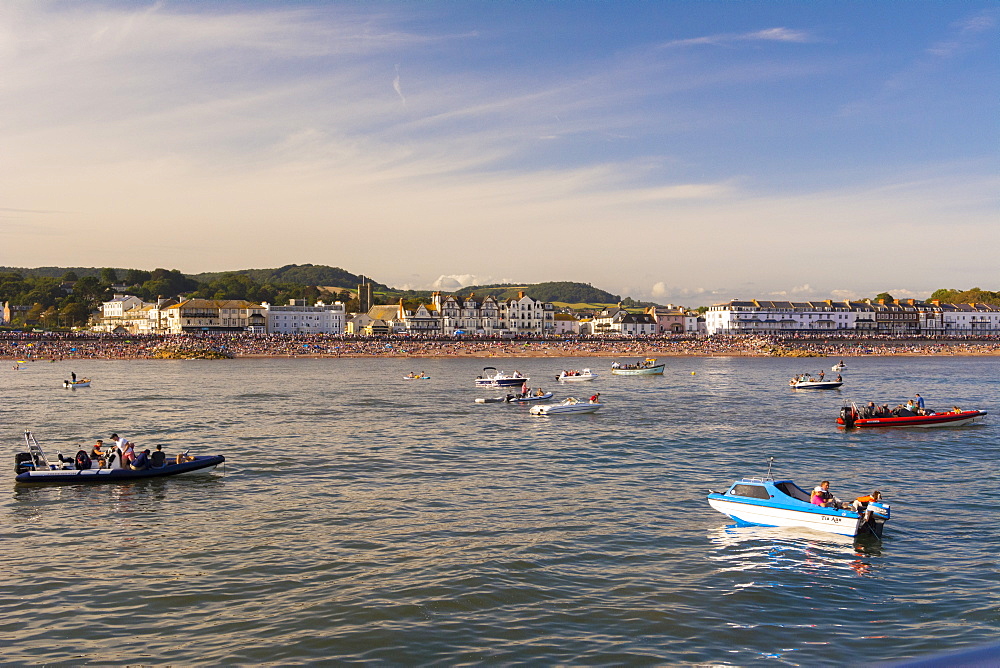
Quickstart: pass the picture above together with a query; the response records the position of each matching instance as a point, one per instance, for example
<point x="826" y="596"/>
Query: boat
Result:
<point x="805" y="382"/>
<point x="32" y="466"/>
<point x="647" y="367"/>
<point x="517" y="399"/>
<point x="839" y="366"/>
<point x="499" y="378"/>
<point x="569" y="405"/>
<point x="83" y="382"/>
<point x="781" y="503"/>
<point x="574" y="376"/>
<point x="413" y="376"/>
<point x="854" y="416"/>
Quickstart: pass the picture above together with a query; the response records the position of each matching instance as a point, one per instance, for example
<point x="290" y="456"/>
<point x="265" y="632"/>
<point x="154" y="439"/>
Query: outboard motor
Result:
<point x="848" y="416"/>
<point x="875" y="516"/>
<point x="23" y="462"/>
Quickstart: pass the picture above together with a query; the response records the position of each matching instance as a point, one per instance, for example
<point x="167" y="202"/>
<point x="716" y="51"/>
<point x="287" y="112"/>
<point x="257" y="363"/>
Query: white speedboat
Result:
<point x="839" y="366"/>
<point x="570" y="405"/>
<point x="500" y="379"/>
<point x="647" y="367"/>
<point x="574" y="376"/>
<point x="782" y="503"/>
<point x="810" y="383"/>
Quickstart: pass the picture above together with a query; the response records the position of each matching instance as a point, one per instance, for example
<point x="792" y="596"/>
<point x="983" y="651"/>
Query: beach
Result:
<point x="21" y="346"/>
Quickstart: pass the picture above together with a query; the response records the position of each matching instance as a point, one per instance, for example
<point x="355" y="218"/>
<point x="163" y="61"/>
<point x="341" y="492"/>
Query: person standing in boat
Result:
<point x="920" y="403"/>
<point x="594" y="399"/>
<point x="821" y="374"/>
<point x="72" y="376"/>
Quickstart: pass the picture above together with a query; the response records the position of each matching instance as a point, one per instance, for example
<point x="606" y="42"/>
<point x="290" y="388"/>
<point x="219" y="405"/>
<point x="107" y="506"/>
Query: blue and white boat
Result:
<point x="782" y="503"/>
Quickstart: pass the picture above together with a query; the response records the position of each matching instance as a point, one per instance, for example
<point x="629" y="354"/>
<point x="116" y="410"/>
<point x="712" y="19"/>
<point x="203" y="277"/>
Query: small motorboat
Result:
<point x="647" y="367"/>
<point x="518" y="399"/>
<point x="515" y="399"/>
<point x="570" y="405"/>
<point x="854" y="416"/>
<point x="413" y="376"/>
<point x="499" y="378"/>
<point x="32" y="466"/>
<point x="574" y="376"/>
<point x="781" y="503"/>
<point x="83" y="382"/>
<point x="839" y="366"/>
<point x="805" y="382"/>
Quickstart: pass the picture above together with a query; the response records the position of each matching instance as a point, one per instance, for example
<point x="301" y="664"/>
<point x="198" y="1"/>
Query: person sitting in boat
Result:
<point x="97" y="453"/>
<point x="956" y="409"/>
<point x="539" y="392"/>
<point x="821" y="496"/>
<point x="141" y="462"/>
<point x="184" y="457"/>
<point x="158" y="458"/>
<point x="862" y="502"/>
<point x="839" y="378"/>
<point x="596" y="398"/>
<point x="616" y="365"/>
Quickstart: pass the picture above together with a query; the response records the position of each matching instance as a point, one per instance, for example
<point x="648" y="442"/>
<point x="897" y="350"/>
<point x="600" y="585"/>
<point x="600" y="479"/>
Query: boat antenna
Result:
<point x="770" y="460"/>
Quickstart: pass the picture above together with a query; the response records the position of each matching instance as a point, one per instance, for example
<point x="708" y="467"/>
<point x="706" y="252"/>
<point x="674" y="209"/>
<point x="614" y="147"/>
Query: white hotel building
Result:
<point x="297" y="318"/>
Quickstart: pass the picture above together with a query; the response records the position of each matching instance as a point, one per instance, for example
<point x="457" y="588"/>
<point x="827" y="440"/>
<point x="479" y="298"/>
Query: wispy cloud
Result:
<point x="965" y="35"/>
<point x="777" y="34"/>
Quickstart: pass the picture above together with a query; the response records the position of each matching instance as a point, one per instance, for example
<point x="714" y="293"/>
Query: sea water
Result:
<point x="361" y="517"/>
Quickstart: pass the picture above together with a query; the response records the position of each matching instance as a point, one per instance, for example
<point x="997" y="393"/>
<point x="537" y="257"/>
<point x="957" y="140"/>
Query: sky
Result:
<point x="680" y="152"/>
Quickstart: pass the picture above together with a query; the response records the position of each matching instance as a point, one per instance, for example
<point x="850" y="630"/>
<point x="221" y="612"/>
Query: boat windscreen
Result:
<point x="793" y="491"/>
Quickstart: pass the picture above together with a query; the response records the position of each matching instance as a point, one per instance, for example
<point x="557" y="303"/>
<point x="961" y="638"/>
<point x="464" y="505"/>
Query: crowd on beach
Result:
<point x="27" y="346"/>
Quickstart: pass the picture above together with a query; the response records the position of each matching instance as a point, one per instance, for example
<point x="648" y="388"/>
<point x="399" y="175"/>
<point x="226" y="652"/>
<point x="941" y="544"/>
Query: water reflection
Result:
<point x="749" y="548"/>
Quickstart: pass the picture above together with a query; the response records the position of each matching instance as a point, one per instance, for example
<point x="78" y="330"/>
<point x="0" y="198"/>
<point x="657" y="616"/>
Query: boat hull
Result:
<point x="651" y="371"/>
<point x="920" y="421"/>
<point x="564" y="409"/>
<point x="501" y="382"/>
<point x="79" y="383"/>
<point x="95" y="475"/>
<point x="575" y="379"/>
<point x="828" y="520"/>
<point x="818" y="385"/>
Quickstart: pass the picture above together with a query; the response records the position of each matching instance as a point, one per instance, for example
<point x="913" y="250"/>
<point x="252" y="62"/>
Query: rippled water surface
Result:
<point x="364" y="518"/>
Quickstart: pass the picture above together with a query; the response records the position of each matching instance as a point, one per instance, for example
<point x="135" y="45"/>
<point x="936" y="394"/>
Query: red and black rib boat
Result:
<point x="855" y="416"/>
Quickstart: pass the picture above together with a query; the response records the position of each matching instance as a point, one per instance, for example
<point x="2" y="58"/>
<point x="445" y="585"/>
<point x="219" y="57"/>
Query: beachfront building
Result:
<point x="214" y="316"/>
<point x="617" y="320"/>
<point x="526" y="316"/>
<point x="901" y="317"/>
<point x="467" y="315"/>
<point x="143" y="319"/>
<point x="565" y="324"/>
<point x="112" y="318"/>
<point x="297" y="318"/>
<point x="669" y="319"/>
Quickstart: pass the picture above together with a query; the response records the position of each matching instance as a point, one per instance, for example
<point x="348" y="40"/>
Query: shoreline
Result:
<point x="39" y="348"/>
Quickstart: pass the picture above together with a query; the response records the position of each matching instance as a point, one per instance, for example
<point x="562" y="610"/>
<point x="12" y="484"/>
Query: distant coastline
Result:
<point x="30" y="347"/>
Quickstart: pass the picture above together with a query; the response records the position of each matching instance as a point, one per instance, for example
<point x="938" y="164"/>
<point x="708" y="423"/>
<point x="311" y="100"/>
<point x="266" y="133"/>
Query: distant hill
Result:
<point x="556" y="291"/>
<point x="300" y="274"/>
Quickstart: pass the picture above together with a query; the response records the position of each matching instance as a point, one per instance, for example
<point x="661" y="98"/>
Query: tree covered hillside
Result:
<point x="556" y="291"/>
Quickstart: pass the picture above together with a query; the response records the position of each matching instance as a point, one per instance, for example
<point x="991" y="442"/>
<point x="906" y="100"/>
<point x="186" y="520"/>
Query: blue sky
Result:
<point x="685" y="152"/>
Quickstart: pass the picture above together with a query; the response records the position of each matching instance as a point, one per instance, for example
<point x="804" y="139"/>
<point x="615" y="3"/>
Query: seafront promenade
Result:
<point x="20" y="346"/>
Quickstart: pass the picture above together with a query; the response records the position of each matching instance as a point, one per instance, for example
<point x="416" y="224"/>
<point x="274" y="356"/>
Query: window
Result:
<point x="752" y="491"/>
